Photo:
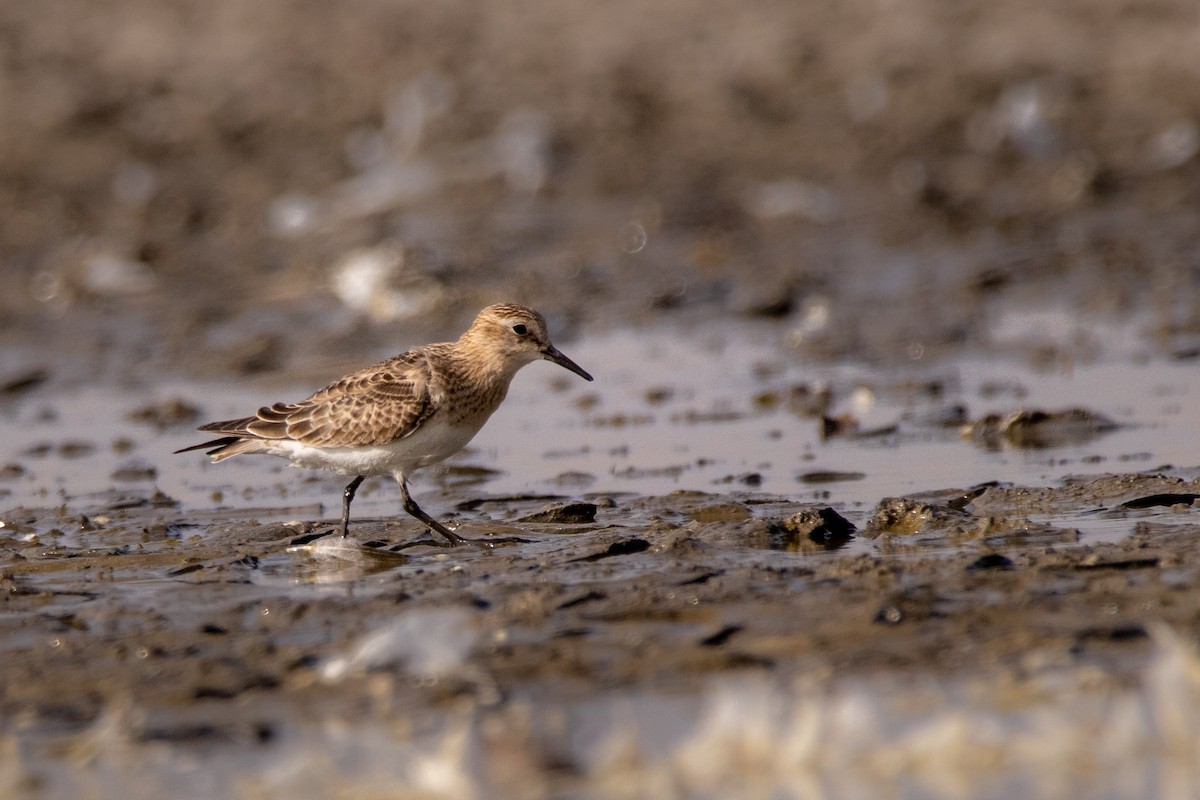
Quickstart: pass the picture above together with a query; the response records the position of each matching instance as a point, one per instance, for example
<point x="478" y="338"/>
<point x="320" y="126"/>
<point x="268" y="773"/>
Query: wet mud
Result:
<point x="149" y="625"/>
<point x="886" y="485"/>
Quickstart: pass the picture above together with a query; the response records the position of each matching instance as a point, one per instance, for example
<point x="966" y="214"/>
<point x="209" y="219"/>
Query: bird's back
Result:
<point x="370" y="407"/>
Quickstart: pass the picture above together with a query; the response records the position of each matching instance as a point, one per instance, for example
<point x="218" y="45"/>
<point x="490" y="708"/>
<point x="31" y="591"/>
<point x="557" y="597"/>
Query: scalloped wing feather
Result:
<point x="372" y="406"/>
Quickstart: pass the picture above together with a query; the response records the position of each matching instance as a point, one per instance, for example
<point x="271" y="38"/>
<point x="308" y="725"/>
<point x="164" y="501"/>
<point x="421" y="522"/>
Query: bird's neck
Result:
<point x="483" y="366"/>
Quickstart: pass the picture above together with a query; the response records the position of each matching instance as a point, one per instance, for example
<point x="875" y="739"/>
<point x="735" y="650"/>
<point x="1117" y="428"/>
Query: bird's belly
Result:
<point x="429" y="444"/>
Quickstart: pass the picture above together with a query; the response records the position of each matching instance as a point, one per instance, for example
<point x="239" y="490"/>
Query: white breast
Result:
<point x="431" y="443"/>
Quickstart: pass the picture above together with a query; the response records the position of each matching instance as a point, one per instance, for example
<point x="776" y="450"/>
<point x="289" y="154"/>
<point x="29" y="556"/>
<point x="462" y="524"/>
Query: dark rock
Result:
<point x="564" y="514"/>
<point x="626" y="548"/>
<point x="824" y="526"/>
<point x="990" y="561"/>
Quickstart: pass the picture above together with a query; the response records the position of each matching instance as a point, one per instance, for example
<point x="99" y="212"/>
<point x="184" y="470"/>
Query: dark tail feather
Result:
<point x="215" y="444"/>
<point x="231" y="426"/>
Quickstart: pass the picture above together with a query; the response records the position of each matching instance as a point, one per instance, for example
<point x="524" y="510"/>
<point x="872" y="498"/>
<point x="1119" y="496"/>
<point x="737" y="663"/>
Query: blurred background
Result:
<point x="219" y="187"/>
<point x="804" y="246"/>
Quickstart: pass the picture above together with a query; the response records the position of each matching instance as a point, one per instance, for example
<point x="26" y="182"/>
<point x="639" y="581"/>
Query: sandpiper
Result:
<point x="408" y="412"/>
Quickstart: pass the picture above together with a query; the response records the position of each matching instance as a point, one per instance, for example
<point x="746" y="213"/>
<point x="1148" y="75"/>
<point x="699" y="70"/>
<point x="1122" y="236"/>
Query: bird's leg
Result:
<point x="411" y="507"/>
<point x="453" y="538"/>
<point x="347" y="498"/>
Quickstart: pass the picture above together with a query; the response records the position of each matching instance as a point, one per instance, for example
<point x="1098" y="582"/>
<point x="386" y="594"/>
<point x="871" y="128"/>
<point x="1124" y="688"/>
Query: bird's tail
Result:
<point x="225" y="447"/>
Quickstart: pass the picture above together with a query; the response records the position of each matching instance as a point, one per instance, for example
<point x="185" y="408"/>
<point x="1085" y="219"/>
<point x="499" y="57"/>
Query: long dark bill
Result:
<point x="551" y="353"/>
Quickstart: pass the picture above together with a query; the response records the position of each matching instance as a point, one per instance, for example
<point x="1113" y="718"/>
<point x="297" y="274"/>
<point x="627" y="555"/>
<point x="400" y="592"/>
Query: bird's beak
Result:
<point x="551" y="354"/>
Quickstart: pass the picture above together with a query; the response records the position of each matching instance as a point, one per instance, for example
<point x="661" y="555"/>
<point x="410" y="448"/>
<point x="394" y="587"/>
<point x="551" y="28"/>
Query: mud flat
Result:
<point x="886" y="485"/>
<point x="742" y="565"/>
<point x="232" y="652"/>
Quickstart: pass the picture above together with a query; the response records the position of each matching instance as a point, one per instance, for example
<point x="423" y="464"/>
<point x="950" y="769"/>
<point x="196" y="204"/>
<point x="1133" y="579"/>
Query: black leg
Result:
<point x="347" y="498"/>
<point x="411" y="507"/>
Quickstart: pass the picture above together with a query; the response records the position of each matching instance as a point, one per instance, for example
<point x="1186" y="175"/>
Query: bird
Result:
<point x="400" y="415"/>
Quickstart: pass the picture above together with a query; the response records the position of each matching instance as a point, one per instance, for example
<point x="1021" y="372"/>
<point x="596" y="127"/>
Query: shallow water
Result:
<point x="707" y="410"/>
<point x="679" y="646"/>
<point x="755" y="217"/>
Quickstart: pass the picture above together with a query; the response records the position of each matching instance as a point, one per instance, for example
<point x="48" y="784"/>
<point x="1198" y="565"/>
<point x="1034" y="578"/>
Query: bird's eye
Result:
<point x="520" y="330"/>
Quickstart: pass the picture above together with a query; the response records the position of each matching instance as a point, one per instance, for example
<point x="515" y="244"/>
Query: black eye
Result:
<point x="520" y="330"/>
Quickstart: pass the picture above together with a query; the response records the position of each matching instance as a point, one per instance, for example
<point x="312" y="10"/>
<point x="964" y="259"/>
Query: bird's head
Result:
<point x="517" y="335"/>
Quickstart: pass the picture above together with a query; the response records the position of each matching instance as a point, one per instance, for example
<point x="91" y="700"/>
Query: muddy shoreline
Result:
<point x="198" y="632"/>
<point x="894" y="316"/>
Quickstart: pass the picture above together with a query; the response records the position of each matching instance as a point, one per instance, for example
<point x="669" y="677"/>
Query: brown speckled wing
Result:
<point x="373" y="406"/>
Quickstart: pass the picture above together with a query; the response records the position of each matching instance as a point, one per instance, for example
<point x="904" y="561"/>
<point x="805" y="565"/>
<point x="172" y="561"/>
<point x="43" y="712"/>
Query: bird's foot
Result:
<point x="489" y="542"/>
<point x="497" y="541"/>
<point x="423" y="542"/>
<point x="454" y="540"/>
